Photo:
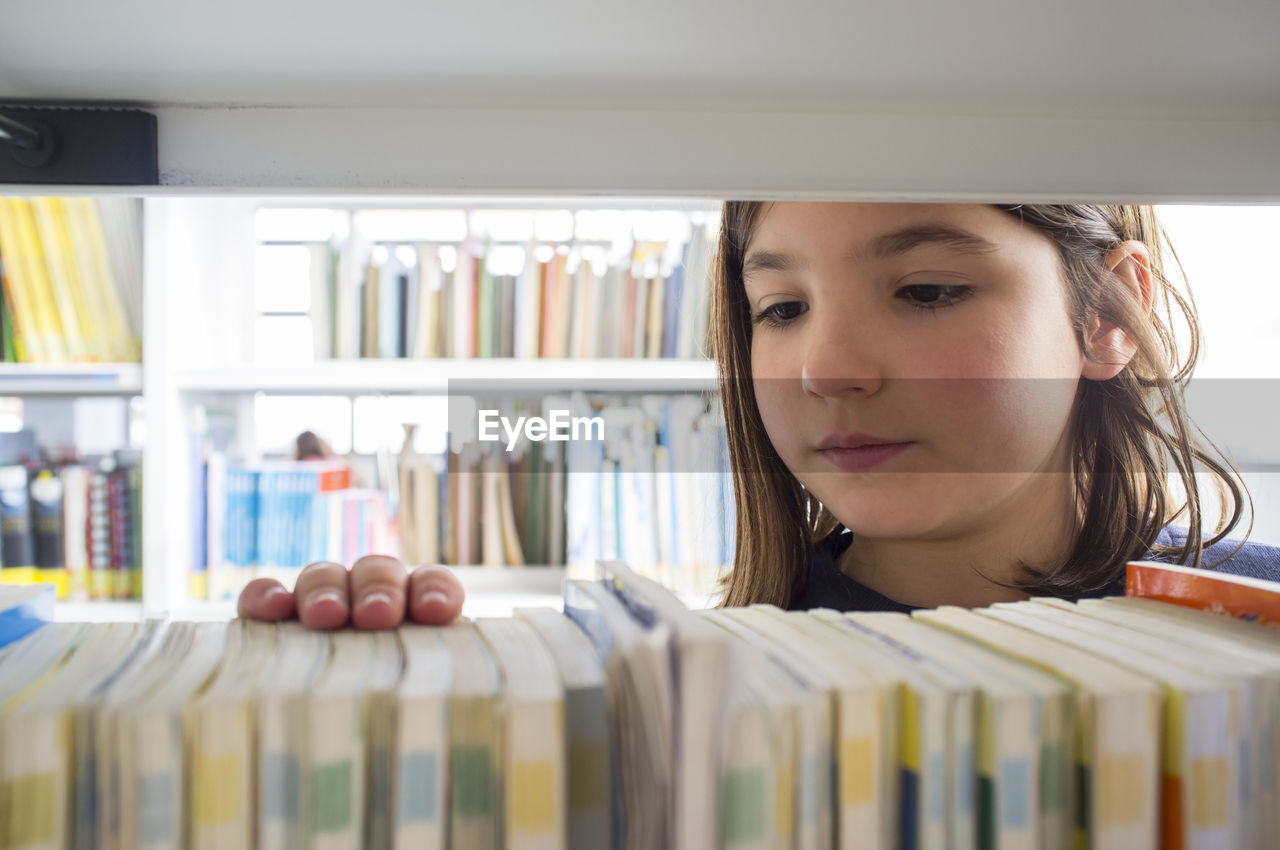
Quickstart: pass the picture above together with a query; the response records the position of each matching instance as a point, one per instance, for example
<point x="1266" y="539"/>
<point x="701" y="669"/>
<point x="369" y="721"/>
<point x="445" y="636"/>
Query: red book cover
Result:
<point x="1241" y="597"/>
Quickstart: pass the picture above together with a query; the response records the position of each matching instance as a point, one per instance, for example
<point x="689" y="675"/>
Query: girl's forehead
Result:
<point x="802" y="227"/>
<point x="851" y="218"/>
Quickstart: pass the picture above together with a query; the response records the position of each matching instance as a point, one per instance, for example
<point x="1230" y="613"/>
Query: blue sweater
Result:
<point x="827" y="587"/>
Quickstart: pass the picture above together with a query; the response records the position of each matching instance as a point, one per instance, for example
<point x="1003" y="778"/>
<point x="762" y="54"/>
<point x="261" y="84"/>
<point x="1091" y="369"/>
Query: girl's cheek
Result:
<point x="780" y="401"/>
<point x="771" y="360"/>
<point x="998" y="425"/>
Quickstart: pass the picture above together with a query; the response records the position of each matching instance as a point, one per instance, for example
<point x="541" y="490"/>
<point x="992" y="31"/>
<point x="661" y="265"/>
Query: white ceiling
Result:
<point x="1169" y="58"/>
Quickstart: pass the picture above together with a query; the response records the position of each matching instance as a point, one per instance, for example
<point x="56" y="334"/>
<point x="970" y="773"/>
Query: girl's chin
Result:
<point x="885" y="515"/>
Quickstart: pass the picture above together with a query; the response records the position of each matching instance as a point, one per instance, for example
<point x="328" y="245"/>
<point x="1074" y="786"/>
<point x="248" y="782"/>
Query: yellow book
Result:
<point x="39" y="288"/>
<point x="26" y="344"/>
<point x="533" y="812"/>
<point x="512" y="551"/>
<point x="475" y="718"/>
<point x="64" y="278"/>
<point x="654" y="321"/>
<point x="1118" y="736"/>
<point x="88" y="276"/>
<point x="124" y="346"/>
<point x="1202" y="738"/>
<point x="39" y="743"/>
<point x="805" y="808"/>
<point x="222" y="737"/>
<point x="491" y="548"/>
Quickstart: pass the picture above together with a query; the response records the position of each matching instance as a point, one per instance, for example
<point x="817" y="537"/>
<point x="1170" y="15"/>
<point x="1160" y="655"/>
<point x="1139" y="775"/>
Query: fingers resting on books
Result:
<point x="376" y="593"/>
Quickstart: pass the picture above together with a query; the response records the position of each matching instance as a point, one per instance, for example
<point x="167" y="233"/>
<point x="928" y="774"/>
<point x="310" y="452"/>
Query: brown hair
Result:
<point x="1120" y="445"/>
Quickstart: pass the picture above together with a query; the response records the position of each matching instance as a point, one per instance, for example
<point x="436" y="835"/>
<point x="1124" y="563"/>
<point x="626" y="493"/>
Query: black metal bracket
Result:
<point x="77" y="145"/>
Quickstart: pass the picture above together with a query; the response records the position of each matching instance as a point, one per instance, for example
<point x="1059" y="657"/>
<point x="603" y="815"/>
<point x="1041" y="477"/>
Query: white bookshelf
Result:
<point x="490" y="592"/>
<point x="199" y="314"/>
<point x="198" y="349"/>
<point x="76" y="379"/>
<point x="369" y="377"/>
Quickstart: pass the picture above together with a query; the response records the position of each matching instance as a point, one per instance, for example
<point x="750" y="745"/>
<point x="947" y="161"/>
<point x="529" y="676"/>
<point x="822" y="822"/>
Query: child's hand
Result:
<point x="376" y="594"/>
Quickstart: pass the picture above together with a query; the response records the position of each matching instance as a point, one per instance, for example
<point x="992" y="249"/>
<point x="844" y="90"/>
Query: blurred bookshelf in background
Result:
<point x="657" y="497"/>
<point x="72" y="522"/>
<point x="71" y="428"/>
<point x="364" y="319"/>
<point x="458" y="283"/>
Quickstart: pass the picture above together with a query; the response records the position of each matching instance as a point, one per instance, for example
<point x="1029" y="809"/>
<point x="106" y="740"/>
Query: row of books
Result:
<point x="78" y="526"/>
<point x="71" y="275"/>
<point x="653" y="492"/>
<point x="374" y="304"/>
<point x="629" y="721"/>
<point x="272" y="520"/>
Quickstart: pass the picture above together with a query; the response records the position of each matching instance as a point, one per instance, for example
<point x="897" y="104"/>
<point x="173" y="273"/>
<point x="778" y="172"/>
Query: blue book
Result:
<point x="232" y="537"/>
<point x="252" y="512"/>
<point x="305" y="485"/>
<point x="23" y="609"/>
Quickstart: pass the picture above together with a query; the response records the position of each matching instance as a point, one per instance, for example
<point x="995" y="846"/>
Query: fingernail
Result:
<point x="319" y="596"/>
<point x="274" y="592"/>
<point x="374" y="597"/>
<point x="433" y="596"/>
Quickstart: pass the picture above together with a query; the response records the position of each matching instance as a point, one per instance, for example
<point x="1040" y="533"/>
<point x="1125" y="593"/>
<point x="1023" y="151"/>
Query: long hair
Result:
<point x="1125" y="432"/>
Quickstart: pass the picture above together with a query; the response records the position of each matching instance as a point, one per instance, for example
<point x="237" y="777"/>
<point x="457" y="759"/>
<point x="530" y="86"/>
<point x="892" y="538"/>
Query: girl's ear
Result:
<point x="1110" y="347"/>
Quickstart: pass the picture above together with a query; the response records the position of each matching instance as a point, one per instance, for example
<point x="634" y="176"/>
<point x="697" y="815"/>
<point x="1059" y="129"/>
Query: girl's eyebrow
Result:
<point x="884" y="246"/>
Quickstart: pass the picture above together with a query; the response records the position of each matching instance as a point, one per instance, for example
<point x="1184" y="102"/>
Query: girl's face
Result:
<point x="940" y="329"/>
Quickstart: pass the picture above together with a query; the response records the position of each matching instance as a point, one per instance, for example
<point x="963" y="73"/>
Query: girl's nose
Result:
<point x="841" y="357"/>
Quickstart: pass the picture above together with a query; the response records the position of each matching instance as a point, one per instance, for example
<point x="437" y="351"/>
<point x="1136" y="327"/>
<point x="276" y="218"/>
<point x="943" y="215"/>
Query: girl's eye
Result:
<point x="932" y="296"/>
<point x="782" y="313"/>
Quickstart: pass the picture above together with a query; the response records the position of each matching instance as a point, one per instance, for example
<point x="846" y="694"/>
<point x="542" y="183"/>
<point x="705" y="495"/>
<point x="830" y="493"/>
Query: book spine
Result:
<point x="485" y="310"/>
<point x="11" y="350"/>
<point x="121" y="342"/>
<point x="215" y="524"/>
<point x="547" y="304"/>
<point x="118" y="531"/>
<point x="13" y="275"/>
<point x="40" y="289"/>
<point x="410" y="294"/>
<point x="75" y="520"/>
<point x="251" y="515"/>
<point x="390" y="311"/>
<point x="133" y="479"/>
<point x="657" y="293"/>
<point x="17" y="541"/>
<point x="46" y="520"/>
<point x="321" y="310"/>
<point x="99" y="534"/>
<point x="672" y="300"/>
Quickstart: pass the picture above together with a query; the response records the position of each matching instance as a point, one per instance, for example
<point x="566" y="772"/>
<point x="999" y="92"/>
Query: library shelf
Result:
<point x="435" y="376"/>
<point x="70" y="379"/>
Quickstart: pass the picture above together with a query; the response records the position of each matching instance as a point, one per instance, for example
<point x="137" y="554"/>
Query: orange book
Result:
<point x="333" y="475"/>
<point x="1241" y="597"/>
<point x="545" y="285"/>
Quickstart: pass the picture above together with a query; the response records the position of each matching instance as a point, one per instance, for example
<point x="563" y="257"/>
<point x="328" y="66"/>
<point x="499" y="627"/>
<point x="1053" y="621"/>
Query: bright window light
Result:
<point x="282" y="278"/>
<point x="299" y="225"/>
<point x="280" y="419"/>
<point x="380" y="421"/>
<point x="282" y="341"/>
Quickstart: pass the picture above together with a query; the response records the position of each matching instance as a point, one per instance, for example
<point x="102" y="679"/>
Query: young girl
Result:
<point x="926" y="404"/>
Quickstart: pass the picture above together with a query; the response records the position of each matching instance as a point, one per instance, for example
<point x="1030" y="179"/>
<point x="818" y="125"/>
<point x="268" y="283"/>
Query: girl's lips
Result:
<point x="863" y="457"/>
